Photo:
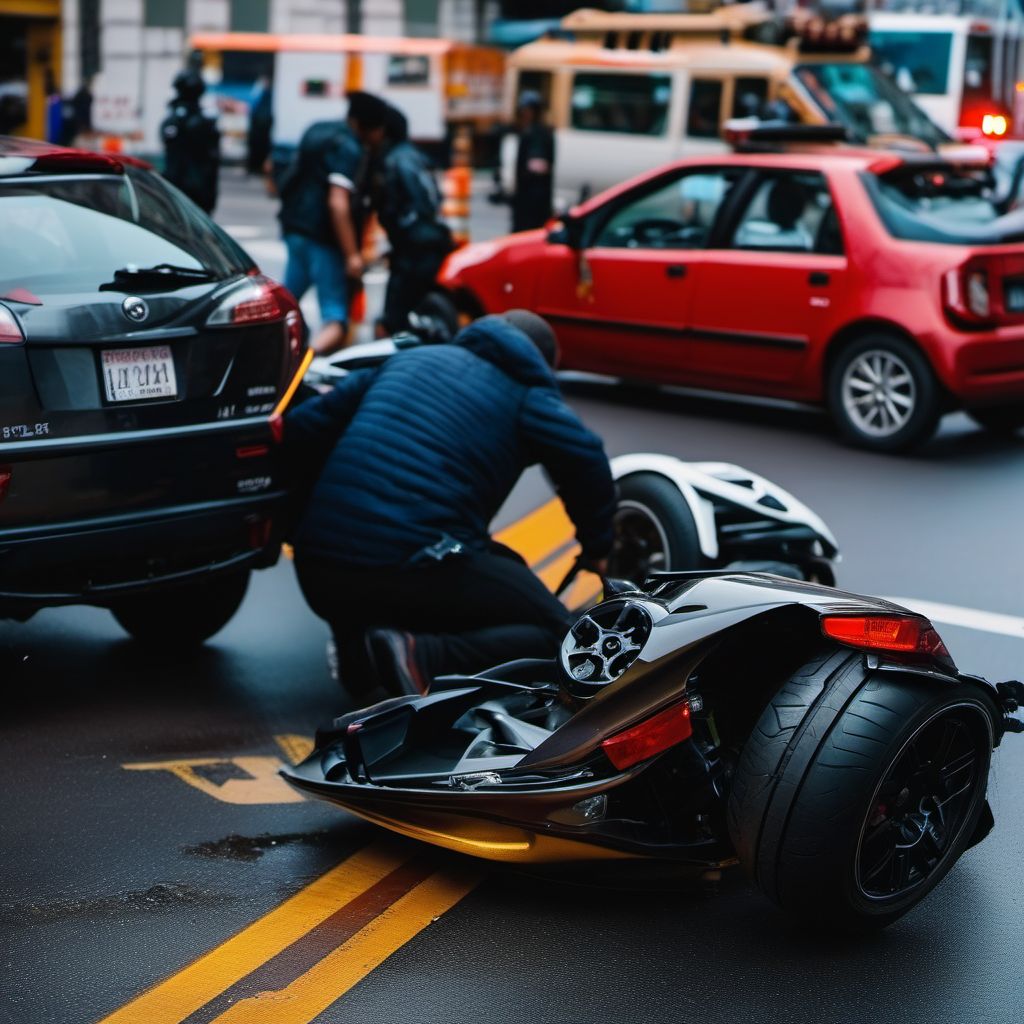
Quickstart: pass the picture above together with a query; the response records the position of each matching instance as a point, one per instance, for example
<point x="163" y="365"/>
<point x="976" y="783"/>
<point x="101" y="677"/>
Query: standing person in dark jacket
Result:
<point x="408" y="205"/>
<point x="535" y="165"/>
<point x="191" y="143"/>
<point x="417" y="457"/>
<point x="321" y="213"/>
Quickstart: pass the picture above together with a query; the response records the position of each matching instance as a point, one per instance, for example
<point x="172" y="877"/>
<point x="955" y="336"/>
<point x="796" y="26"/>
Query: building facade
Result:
<point x="130" y="50"/>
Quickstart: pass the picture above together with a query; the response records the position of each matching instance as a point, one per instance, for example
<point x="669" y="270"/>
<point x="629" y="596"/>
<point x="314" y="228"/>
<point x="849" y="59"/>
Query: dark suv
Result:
<point x="141" y="357"/>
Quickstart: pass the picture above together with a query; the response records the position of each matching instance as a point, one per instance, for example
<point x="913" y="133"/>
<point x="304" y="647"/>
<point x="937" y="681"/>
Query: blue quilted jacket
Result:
<point x="429" y="444"/>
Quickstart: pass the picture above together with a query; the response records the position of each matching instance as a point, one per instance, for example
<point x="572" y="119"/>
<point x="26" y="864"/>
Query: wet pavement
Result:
<point x="142" y="824"/>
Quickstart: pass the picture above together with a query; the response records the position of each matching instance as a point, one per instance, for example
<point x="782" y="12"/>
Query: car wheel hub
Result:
<point x="878" y="393"/>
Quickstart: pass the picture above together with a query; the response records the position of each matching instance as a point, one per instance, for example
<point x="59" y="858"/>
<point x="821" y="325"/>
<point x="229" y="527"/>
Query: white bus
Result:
<point x="960" y="62"/>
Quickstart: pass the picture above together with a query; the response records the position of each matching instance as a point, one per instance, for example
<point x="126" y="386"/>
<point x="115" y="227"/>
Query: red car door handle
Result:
<point x="818" y="277"/>
<point x="675" y="270"/>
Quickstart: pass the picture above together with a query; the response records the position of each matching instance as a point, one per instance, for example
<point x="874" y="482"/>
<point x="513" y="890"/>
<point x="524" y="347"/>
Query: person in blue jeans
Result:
<point x="321" y="204"/>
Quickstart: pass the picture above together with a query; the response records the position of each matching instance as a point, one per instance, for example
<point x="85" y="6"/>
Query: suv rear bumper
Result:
<point x="98" y="560"/>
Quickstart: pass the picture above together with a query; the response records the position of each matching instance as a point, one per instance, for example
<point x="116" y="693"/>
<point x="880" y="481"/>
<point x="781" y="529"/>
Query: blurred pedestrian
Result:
<point x="535" y="165"/>
<point x="261" y="122"/>
<point x="191" y="143"/>
<point x="81" y="113"/>
<point x="322" y="194"/>
<point x="404" y="466"/>
<point x="408" y="204"/>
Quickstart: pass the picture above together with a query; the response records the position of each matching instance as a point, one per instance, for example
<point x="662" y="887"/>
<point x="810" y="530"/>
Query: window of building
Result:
<point x="631" y="104"/>
<point x="163" y="13"/>
<point x="704" y="114"/>
<point x="249" y="15"/>
<point x="421" y="17"/>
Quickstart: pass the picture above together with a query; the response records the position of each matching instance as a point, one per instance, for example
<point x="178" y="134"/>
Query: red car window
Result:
<point x="790" y="212"/>
<point x="678" y="214"/>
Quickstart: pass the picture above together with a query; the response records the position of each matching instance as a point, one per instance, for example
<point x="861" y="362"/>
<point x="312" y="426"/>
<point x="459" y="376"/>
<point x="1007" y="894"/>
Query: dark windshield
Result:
<point x="942" y="205"/>
<point x="71" y="234"/>
<point x="915" y="61"/>
<point x="866" y="102"/>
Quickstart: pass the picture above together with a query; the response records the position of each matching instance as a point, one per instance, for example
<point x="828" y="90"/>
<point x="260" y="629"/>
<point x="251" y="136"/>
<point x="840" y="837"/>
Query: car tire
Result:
<point x="816" y="790"/>
<point x="440" y="312"/>
<point x="1000" y="419"/>
<point x="904" y="409"/>
<point x="187" y="615"/>
<point x="655" y="529"/>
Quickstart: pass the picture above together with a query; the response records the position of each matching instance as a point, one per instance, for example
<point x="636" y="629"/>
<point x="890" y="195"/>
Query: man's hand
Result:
<point x="596" y="565"/>
<point x="354" y="266"/>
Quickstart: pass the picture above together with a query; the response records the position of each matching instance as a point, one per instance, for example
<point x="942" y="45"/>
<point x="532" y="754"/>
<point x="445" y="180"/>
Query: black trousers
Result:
<point x="410" y="278"/>
<point x="467" y="613"/>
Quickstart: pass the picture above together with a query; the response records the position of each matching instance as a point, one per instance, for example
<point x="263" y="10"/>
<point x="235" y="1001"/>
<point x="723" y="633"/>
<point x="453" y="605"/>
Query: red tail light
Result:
<point x="5" y="480"/>
<point x="994" y="125"/>
<point x="258" y="300"/>
<point x="966" y="293"/>
<point x="10" y="329"/>
<point x="907" y="634"/>
<point x="658" y="733"/>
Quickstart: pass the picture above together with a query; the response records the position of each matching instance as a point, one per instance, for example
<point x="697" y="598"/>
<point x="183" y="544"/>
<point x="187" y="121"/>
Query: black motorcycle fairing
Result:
<point x="515" y="770"/>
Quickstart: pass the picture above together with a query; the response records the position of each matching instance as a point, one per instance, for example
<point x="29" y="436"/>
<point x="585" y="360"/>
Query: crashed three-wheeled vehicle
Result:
<point x="824" y="740"/>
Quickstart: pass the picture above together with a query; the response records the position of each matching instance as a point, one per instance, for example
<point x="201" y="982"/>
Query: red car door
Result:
<point x="760" y="305"/>
<point x="621" y="303"/>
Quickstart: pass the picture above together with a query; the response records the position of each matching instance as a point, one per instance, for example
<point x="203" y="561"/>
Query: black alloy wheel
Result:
<point x="920" y="806"/>
<point x="858" y="790"/>
<point x="654" y="529"/>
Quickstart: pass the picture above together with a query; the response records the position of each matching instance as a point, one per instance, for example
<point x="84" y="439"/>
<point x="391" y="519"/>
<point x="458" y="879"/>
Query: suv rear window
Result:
<point x="942" y="204"/>
<point x="70" y="234"/>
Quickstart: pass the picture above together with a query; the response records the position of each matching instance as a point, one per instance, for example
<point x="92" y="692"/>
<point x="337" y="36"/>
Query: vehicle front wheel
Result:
<point x="858" y="790"/>
<point x="183" y="616"/>
<point x="883" y="395"/>
<point x="654" y="529"/>
<point x="1000" y="419"/>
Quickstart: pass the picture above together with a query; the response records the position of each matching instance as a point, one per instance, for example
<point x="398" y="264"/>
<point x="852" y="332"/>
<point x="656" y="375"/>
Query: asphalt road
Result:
<point x="142" y="826"/>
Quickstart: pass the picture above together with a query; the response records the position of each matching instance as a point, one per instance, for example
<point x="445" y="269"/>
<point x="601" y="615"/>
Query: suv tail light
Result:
<point x="904" y="634"/>
<point x="10" y="329"/>
<point x="650" y="737"/>
<point x="257" y="300"/>
<point x="5" y="480"/>
<point x="967" y="295"/>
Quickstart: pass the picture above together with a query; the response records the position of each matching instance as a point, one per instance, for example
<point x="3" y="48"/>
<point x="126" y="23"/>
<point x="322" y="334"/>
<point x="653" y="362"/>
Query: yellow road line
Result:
<point x="540" y="533"/>
<point x="311" y="993"/>
<point x="191" y="988"/>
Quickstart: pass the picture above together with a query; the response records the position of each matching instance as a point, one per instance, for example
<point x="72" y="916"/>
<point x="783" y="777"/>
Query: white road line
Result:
<point x="969" y="618"/>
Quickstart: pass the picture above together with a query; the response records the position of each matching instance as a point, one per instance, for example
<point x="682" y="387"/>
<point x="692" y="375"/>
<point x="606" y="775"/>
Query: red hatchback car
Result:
<point x="889" y="288"/>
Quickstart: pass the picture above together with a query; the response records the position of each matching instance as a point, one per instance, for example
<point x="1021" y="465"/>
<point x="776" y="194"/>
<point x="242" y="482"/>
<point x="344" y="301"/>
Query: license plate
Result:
<point x="136" y="374"/>
<point x="1013" y="296"/>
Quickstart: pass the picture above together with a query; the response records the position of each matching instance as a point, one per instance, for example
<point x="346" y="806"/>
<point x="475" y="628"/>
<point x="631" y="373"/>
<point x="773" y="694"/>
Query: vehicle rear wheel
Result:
<point x="883" y="394"/>
<point x="858" y="790"/>
<point x="185" y="615"/>
<point x="1000" y="419"/>
<point x="655" y="529"/>
<point x="437" y="314"/>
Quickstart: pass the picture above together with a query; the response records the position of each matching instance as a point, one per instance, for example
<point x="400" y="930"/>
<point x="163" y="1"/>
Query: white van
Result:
<point x="626" y="93"/>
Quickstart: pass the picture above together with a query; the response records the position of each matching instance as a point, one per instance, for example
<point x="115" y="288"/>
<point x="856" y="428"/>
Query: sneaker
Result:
<point x="393" y="655"/>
